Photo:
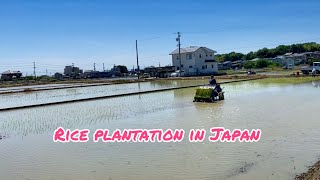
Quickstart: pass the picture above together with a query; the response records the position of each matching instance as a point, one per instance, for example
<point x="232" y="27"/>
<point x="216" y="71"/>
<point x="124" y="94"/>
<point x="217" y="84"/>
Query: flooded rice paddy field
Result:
<point x="288" y="116"/>
<point x="39" y="97"/>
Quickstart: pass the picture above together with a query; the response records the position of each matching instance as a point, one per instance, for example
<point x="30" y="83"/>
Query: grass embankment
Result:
<point x="270" y="70"/>
<point x="290" y="80"/>
<point x="5" y="84"/>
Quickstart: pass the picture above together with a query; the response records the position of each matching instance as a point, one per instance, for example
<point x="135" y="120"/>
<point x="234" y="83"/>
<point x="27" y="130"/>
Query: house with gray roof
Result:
<point x="298" y="58"/>
<point x="195" y="61"/>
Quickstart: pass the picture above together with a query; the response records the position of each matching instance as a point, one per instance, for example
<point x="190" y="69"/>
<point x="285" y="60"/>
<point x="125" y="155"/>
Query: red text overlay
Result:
<point x="156" y="135"/>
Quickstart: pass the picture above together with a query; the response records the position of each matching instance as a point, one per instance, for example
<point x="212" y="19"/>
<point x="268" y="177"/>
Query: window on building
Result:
<point x="177" y="57"/>
<point x="189" y="56"/>
<point x="199" y="55"/>
<point x="190" y="67"/>
<point x="206" y="67"/>
<point x="212" y="66"/>
<point x="202" y="67"/>
<point x="206" y="55"/>
<point x="182" y="65"/>
<point x="178" y="68"/>
<point x="210" y="55"/>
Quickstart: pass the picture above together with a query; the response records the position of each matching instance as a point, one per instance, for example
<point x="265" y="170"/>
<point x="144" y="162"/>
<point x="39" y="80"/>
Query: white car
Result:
<point x="177" y="74"/>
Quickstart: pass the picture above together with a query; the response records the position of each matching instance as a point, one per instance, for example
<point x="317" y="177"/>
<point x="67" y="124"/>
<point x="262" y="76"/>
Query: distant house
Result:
<point x="161" y="72"/>
<point x="284" y="61"/>
<point x="225" y="65"/>
<point x="298" y="58"/>
<point x="195" y="61"/>
<point x="97" y="74"/>
<point x="72" y="71"/>
<point x="237" y="64"/>
<point x="312" y="55"/>
<point x="10" y="75"/>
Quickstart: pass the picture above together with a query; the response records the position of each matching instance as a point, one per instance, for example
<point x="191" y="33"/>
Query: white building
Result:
<point x="195" y="61"/>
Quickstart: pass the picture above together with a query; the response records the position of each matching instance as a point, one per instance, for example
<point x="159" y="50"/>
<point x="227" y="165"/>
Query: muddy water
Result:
<point x="288" y="116"/>
<point x="38" y="97"/>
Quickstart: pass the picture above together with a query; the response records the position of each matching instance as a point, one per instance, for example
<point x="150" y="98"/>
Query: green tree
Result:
<point x="282" y="49"/>
<point x="263" y="53"/>
<point x="249" y="65"/>
<point x="262" y="63"/>
<point x="250" y="55"/>
<point x="313" y="60"/>
<point x="270" y="53"/>
<point x="122" y="68"/>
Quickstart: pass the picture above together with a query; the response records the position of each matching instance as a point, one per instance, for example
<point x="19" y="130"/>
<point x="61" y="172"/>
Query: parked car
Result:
<point x="250" y="72"/>
<point x="177" y="74"/>
<point x="145" y="75"/>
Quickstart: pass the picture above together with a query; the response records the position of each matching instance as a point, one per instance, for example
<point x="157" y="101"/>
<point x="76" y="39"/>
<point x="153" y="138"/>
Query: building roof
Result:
<point x="297" y="54"/>
<point x="11" y="72"/>
<point x="191" y="49"/>
<point x="255" y="59"/>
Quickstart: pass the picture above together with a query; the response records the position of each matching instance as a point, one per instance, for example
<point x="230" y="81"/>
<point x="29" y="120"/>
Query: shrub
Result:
<point x="29" y="78"/>
<point x="313" y="60"/>
<point x="249" y="65"/>
<point x="273" y="64"/>
<point x="262" y="63"/>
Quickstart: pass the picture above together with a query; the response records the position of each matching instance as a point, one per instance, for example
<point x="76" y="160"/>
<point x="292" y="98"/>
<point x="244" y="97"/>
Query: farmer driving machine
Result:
<point x="209" y="93"/>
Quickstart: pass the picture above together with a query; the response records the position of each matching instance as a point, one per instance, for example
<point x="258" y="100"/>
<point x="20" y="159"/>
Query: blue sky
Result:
<point x="55" y="33"/>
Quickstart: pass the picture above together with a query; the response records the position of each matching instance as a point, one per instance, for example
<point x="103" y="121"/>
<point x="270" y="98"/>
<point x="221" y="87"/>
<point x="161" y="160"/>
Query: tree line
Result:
<point x="270" y="53"/>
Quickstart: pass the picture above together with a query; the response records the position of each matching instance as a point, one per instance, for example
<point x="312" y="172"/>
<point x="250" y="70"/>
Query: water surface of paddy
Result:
<point x="288" y="116"/>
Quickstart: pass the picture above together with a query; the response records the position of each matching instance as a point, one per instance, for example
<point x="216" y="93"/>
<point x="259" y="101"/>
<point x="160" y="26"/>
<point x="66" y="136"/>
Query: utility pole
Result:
<point x="46" y="72"/>
<point x="34" y="70"/>
<point x="94" y="66"/>
<point x="103" y="67"/>
<point x="179" y="45"/>
<point x="137" y="59"/>
<point x="73" y="73"/>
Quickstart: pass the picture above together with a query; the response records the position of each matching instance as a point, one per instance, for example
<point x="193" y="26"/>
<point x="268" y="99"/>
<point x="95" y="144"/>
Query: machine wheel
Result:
<point x="221" y="96"/>
<point x="305" y="72"/>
